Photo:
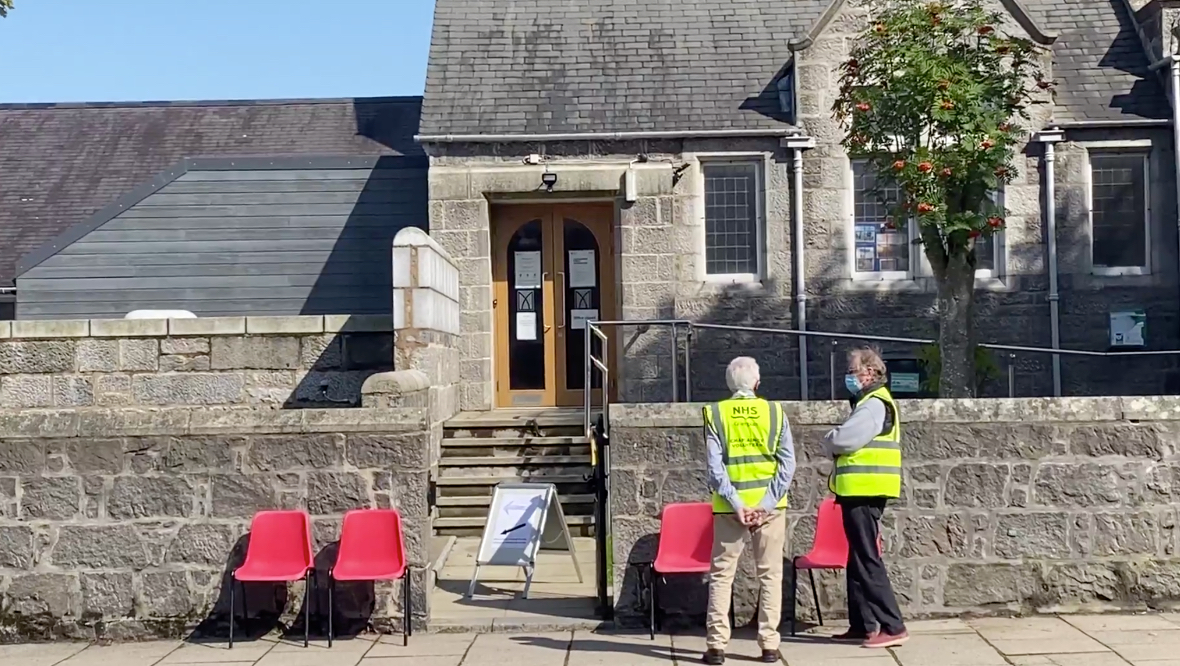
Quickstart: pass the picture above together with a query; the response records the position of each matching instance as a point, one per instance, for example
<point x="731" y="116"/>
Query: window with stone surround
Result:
<point x="882" y="248"/>
<point x="733" y="218"/>
<point x="1119" y="211"/>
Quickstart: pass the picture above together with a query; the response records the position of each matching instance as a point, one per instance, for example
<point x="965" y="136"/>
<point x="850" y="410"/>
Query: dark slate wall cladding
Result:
<point x="257" y="242"/>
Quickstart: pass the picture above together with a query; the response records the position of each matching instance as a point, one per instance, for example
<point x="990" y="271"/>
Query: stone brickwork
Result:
<point x="123" y="524"/>
<point x="1008" y="505"/>
<point x="310" y="361"/>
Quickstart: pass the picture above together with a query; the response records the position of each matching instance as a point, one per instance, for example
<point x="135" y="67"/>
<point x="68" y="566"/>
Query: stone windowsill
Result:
<point x="201" y="326"/>
<point x="180" y="421"/>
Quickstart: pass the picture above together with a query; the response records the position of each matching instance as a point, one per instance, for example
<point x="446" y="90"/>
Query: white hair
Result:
<point x="742" y="374"/>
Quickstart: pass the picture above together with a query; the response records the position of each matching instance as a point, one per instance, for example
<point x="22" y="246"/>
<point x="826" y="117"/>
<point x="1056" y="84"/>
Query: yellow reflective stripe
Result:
<point x="750" y="485"/>
<point x="883" y="444"/>
<point x="774" y="423"/>
<point x="868" y="469"/>
<point x="749" y="460"/>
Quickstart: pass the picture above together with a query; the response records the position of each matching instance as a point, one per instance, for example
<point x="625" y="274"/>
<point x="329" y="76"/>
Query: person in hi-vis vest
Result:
<point x="751" y="459"/>
<point x="866" y="474"/>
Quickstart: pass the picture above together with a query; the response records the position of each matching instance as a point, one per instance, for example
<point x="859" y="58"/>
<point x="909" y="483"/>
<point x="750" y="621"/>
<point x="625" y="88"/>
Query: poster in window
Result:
<point x="866" y="259"/>
<point x="866" y="234"/>
<point x="582" y="268"/>
<point x="892" y="251"/>
<point x="527" y="269"/>
<point x="526" y="326"/>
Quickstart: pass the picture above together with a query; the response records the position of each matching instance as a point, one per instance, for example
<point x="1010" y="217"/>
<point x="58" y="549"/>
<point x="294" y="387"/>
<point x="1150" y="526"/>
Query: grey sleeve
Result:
<point x="785" y="471"/>
<point x="718" y="478"/>
<point x="859" y="429"/>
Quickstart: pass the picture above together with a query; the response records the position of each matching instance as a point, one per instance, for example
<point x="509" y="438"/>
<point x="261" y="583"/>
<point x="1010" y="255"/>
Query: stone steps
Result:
<point x="481" y="450"/>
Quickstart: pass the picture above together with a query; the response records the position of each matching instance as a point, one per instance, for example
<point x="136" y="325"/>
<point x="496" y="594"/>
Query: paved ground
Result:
<point x="1107" y="640"/>
<point x="497" y="605"/>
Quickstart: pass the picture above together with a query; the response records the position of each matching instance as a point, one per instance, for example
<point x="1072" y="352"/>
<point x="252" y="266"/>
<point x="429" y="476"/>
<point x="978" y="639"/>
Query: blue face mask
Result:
<point x="852" y="384"/>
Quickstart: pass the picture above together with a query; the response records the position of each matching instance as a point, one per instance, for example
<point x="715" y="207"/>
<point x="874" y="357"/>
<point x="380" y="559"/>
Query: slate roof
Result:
<point x="59" y="164"/>
<point x="1099" y="62"/>
<point x="574" y="66"/>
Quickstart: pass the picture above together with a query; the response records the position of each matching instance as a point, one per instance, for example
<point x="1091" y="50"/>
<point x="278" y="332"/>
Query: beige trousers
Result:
<point x="728" y="543"/>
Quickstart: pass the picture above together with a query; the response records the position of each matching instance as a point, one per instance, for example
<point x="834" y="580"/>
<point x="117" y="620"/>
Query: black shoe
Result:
<point x="714" y="657"/>
<point x="853" y="635"/>
<point x="769" y="657"/>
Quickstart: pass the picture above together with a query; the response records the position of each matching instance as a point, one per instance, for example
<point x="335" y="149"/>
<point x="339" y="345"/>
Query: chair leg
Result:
<point x="407" y="610"/>
<point x="307" y="595"/>
<point x="231" y="610"/>
<point x="647" y="584"/>
<point x="331" y="608"/>
<point x="794" y="595"/>
<point x="815" y="595"/>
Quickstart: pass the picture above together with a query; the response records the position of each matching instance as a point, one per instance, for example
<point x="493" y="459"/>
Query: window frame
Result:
<point x="919" y="264"/>
<point x="1143" y="150"/>
<point x="876" y="276"/>
<point x="758" y="161"/>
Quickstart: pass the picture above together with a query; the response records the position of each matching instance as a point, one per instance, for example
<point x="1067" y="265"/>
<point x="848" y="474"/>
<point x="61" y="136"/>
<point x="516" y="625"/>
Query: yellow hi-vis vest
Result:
<point x="875" y="470"/>
<point x="749" y="430"/>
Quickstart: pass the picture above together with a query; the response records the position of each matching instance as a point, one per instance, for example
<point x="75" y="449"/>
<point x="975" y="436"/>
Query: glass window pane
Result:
<point x="877" y="247"/>
<point x="731" y="218"/>
<point x="1118" y="209"/>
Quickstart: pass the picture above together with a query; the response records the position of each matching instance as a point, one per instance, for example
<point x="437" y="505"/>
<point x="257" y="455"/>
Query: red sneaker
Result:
<point x="884" y="640"/>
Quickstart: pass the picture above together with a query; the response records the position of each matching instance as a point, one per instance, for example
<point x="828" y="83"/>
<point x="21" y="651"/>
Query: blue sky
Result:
<point x="137" y="50"/>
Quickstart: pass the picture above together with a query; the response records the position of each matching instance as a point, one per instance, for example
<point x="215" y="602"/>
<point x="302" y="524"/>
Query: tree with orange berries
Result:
<point x="933" y="96"/>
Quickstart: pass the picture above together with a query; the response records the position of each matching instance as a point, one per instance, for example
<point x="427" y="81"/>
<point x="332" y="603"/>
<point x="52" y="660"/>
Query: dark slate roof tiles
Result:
<point x="556" y="67"/>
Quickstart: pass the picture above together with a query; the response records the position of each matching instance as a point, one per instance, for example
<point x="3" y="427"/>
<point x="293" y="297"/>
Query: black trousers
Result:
<point x="871" y="604"/>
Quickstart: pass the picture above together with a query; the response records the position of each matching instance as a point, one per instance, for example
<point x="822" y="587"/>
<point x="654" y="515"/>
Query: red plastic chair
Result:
<point x="685" y="546"/>
<point x="279" y="550"/>
<point x="829" y="551"/>
<point x="372" y="547"/>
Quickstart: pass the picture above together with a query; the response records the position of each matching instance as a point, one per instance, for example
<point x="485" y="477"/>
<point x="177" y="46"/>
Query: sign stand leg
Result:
<point x="528" y="579"/>
<point x="577" y="569"/>
<point x="471" y="587"/>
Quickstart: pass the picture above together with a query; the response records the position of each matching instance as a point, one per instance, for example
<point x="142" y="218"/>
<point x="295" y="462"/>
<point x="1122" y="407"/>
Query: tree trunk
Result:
<point x="956" y="327"/>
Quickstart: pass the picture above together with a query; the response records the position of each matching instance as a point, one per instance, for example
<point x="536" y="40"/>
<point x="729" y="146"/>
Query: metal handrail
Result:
<point x="595" y="327"/>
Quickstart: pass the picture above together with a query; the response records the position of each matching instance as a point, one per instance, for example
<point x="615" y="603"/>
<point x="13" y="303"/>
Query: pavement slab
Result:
<point x="1090" y="640"/>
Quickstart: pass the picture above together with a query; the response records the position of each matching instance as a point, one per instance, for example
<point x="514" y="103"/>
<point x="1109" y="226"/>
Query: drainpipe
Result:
<point x="1048" y="137"/>
<point x="1170" y="61"/>
<point x="798" y="143"/>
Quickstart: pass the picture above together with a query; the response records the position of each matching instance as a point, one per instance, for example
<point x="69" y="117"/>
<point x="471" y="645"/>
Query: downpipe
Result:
<point x="798" y="143"/>
<point x="1049" y="137"/>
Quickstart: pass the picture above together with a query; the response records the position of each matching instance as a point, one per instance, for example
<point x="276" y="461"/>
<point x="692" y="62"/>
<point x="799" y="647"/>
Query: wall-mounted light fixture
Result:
<point x="549" y="179"/>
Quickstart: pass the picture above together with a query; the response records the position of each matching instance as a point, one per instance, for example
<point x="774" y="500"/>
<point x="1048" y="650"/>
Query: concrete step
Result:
<point x="486" y="500"/>
<point x="486" y="480"/>
<point x="490" y="461"/>
<point x="524" y="440"/>
<point x="478" y="521"/>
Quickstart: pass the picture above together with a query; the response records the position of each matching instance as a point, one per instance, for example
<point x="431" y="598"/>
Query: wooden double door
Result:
<point x="552" y="271"/>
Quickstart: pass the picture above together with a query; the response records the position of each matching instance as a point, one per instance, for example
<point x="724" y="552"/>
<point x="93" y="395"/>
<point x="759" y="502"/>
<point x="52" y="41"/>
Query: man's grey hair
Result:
<point x="742" y="374"/>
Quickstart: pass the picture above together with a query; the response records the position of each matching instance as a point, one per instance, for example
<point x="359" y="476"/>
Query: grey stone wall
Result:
<point x="310" y="361"/>
<point x="124" y="524"/>
<point x="1046" y="505"/>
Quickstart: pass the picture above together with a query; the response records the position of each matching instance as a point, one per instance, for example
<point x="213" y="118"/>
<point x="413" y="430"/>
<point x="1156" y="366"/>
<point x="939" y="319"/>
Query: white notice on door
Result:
<point x="582" y="270"/>
<point x="528" y="270"/>
<point x="526" y="325"/>
<point x="579" y="318"/>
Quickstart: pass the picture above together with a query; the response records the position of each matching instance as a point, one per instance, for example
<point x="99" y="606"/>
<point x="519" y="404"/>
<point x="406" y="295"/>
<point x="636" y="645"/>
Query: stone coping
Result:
<point x="977" y="410"/>
<point x="49" y="329"/>
<point x="180" y="421"/>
